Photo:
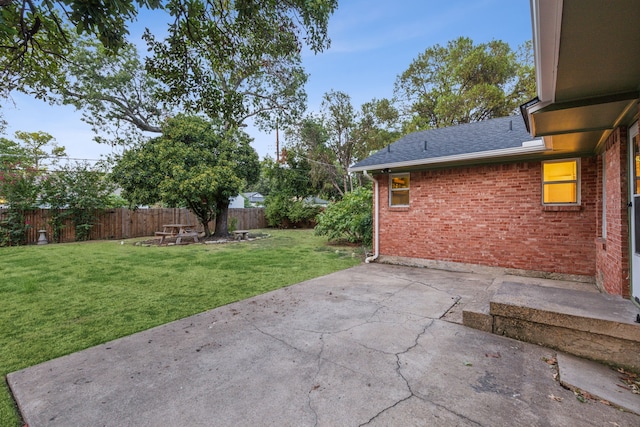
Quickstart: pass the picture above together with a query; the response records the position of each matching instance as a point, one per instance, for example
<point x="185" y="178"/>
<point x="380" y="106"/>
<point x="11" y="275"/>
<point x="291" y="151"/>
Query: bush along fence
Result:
<point x="124" y="223"/>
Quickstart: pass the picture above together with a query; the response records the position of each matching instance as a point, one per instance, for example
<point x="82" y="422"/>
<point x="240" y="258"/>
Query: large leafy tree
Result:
<point x="36" y="36"/>
<point x="38" y="147"/>
<point x="35" y="150"/>
<point x="309" y="138"/>
<point x="341" y="135"/>
<point x="230" y="59"/>
<point x="376" y="128"/>
<point x="464" y="82"/>
<point x="114" y="92"/>
<point x="340" y="119"/>
<point x="239" y="59"/>
<point x="195" y="163"/>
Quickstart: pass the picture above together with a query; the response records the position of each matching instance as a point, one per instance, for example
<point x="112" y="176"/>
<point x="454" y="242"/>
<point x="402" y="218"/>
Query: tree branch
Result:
<point x="127" y="114"/>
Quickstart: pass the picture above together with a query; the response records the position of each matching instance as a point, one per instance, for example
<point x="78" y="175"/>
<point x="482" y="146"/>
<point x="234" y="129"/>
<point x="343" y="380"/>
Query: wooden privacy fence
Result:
<point x="124" y="223"/>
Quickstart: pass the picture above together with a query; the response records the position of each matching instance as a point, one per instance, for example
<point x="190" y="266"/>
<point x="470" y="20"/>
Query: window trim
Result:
<point x="576" y="181"/>
<point x="391" y="189"/>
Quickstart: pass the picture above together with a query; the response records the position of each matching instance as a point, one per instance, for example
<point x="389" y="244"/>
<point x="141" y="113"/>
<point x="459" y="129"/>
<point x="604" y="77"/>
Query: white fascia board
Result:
<point x="530" y="111"/>
<point x="546" y="19"/>
<point x="528" y="147"/>
<point x="538" y="106"/>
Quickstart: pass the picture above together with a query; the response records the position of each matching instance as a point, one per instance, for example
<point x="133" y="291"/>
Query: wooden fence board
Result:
<point x="123" y="223"/>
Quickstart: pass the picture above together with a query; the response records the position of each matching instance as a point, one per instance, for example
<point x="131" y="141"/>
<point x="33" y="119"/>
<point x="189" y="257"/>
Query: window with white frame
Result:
<point x="399" y="189"/>
<point x="561" y="182"/>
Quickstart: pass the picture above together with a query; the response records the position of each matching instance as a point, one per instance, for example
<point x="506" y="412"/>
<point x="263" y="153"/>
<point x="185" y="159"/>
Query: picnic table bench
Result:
<point x="241" y="234"/>
<point x="178" y="231"/>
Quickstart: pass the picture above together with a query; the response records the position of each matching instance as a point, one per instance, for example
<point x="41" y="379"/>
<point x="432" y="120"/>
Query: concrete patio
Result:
<point x="373" y="345"/>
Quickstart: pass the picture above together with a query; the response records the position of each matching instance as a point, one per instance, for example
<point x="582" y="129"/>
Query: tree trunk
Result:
<point x="222" y="228"/>
<point x="204" y="216"/>
<point x="205" y="225"/>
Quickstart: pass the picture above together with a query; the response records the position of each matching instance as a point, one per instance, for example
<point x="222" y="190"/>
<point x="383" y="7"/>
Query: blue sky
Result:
<point x="373" y="41"/>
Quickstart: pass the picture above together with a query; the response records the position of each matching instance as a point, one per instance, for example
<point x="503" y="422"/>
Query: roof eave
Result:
<point x="529" y="147"/>
<point x="579" y="110"/>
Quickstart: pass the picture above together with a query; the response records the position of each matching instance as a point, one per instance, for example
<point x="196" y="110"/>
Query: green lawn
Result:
<point x="58" y="299"/>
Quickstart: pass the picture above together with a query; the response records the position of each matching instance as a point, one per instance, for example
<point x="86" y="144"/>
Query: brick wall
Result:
<point x="612" y="250"/>
<point x="492" y="215"/>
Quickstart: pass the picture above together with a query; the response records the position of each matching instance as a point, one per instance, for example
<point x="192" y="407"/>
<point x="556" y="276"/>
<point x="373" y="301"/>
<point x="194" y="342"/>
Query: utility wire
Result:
<point x="49" y="157"/>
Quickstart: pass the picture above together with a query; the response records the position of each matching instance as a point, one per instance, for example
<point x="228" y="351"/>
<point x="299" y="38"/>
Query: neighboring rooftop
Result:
<point x="253" y="196"/>
<point x="314" y="200"/>
<point x="489" y="138"/>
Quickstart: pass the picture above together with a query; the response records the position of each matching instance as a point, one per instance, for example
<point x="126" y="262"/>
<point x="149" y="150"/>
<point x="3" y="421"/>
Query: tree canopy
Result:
<point x="11" y="152"/>
<point x="464" y="82"/>
<point x="196" y="163"/>
<point x="238" y="59"/>
<point x="34" y="143"/>
<point x="229" y="59"/>
<point x="340" y="135"/>
<point x="116" y="95"/>
<point x="37" y="36"/>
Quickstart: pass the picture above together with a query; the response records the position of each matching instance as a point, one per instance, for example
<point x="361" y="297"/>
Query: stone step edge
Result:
<point x="600" y="381"/>
<point x="531" y="303"/>
<point x="475" y="313"/>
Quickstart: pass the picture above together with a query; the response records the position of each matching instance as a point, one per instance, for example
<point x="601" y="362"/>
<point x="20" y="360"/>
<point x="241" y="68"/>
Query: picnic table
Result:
<point x="241" y="234"/>
<point x="178" y="231"/>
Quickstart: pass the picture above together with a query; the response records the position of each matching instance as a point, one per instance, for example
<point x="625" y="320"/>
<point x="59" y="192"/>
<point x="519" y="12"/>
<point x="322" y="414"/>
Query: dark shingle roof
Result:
<point x="488" y="135"/>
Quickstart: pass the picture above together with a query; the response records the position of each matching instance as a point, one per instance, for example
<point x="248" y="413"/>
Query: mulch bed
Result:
<point x="211" y="240"/>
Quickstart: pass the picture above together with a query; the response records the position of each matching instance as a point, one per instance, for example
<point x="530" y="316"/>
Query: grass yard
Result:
<point x="58" y="299"/>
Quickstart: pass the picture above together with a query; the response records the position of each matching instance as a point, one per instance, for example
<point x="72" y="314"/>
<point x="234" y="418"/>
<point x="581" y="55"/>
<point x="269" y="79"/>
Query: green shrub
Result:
<point x="350" y="218"/>
<point x="233" y="225"/>
<point x="283" y="211"/>
<point x="13" y="229"/>
<point x="301" y="212"/>
<point x="19" y="191"/>
<point x="276" y="210"/>
<point x="77" y="193"/>
<point x="113" y="201"/>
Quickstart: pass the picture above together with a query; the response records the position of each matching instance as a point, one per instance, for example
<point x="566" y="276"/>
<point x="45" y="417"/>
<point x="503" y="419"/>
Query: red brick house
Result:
<point x="554" y="192"/>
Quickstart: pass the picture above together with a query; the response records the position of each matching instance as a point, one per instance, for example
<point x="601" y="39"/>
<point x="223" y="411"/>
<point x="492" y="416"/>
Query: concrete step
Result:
<point x="601" y="382"/>
<point x="591" y="325"/>
<point x="475" y="313"/>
